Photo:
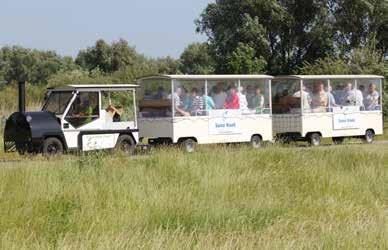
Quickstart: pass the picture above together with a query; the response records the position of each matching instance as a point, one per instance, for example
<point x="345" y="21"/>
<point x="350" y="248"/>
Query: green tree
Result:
<point x="106" y="57"/>
<point x="18" y="63"/>
<point x="196" y="60"/>
<point x="288" y="33"/>
<point x="244" y="61"/>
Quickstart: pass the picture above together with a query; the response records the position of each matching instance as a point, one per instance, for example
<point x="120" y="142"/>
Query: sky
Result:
<point x="155" y="27"/>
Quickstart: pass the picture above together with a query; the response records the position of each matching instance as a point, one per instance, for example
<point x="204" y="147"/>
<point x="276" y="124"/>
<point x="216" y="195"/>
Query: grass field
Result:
<point x="219" y="197"/>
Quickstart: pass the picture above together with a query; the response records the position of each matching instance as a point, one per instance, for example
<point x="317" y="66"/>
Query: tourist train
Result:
<point x="199" y="109"/>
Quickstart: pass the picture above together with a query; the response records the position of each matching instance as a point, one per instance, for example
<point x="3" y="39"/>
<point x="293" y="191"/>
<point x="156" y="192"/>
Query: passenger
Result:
<point x="250" y="96"/>
<point x="359" y="99"/>
<point x="348" y="96"/>
<point x="209" y="103"/>
<point x="160" y="94"/>
<point x="339" y="94"/>
<point x="330" y="95"/>
<point x="219" y="97"/>
<point x="186" y="98"/>
<point x="178" y="103"/>
<point x="306" y="97"/>
<point x="232" y="101"/>
<point x="320" y="98"/>
<point x="258" y="100"/>
<point x="197" y="102"/>
<point x="363" y="90"/>
<point x="243" y="99"/>
<point x="372" y="98"/>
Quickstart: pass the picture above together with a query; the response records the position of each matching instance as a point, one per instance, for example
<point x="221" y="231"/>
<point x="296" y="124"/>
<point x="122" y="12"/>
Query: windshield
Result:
<point x="57" y="102"/>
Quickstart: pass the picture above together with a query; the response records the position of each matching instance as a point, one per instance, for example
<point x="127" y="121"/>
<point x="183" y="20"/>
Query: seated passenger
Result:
<point x="348" y="96"/>
<point x="250" y="96"/>
<point x="178" y="103"/>
<point x="359" y="99"/>
<point x="330" y="95"/>
<point x="232" y="101"/>
<point x="320" y="99"/>
<point x="258" y="99"/>
<point x="243" y="99"/>
<point x="372" y="98"/>
<point x="114" y="112"/>
<point x="160" y="94"/>
<point x="197" y="102"/>
<point x="219" y="97"/>
<point x="209" y="103"/>
<point x="306" y="97"/>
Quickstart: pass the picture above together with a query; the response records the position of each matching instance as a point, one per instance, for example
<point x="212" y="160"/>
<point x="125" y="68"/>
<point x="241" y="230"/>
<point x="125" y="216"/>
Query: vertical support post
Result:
<point x="270" y="96"/>
<point x="134" y="107"/>
<point x="329" y="93"/>
<point x="301" y="98"/>
<point x="205" y="98"/>
<point x="172" y="99"/>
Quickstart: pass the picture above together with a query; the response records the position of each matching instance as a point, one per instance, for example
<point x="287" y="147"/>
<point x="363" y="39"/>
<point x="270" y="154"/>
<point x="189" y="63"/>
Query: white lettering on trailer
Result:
<point x="346" y="117"/>
<point x="223" y="122"/>
<point x="99" y="141"/>
<point x="345" y="121"/>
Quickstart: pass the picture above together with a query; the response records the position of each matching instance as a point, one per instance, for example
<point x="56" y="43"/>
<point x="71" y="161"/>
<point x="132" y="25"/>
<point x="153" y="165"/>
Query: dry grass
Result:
<point x="220" y="197"/>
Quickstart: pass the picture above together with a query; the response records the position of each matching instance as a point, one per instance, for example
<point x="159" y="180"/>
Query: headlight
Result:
<point x="29" y="118"/>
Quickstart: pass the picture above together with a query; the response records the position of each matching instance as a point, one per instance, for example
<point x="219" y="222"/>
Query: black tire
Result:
<point x="369" y="136"/>
<point x="126" y="144"/>
<point x="52" y="147"/>
<point x="189" y="145"/>
<point x="314" y="139"/>
<point x="256" y="141"/>
<point x="338" y="140"/>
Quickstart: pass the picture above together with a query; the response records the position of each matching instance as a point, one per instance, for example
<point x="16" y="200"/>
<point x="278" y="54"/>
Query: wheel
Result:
<point x="369" y="136"/>
<point x="314" y="139"/>
<point x="52" y="147"/>
<point x="256" y="141"/>
<point x="338" y="140"/>
<point x="189" y="145"/>
<point x="126" y="144"/>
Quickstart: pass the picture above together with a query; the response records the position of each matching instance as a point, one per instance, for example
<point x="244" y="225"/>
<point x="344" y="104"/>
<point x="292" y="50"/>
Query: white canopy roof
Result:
<point x="101" y="87"/>
<point x="209" y="77"/>
<point x="330" y="77"/>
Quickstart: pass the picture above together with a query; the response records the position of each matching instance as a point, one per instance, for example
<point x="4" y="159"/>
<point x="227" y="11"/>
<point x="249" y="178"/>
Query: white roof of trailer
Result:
<point x="330" y="77"/>
<point x="209" y="77"/>
<point x="103" y="87"/>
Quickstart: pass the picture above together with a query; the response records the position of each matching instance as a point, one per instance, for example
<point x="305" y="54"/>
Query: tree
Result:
<point x="108" y="58"/>
<point x="21" y="64"/>
<point x="196" y="60"/>
<point x="243" y="61"/>
<point x="288" y="33"/>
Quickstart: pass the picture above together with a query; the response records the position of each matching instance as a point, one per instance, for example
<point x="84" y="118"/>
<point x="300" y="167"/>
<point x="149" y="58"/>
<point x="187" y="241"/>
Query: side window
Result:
<point x="345" y="93"/>
<point x="318" y="96"/>
<point x="287" y="95"/>
<point x="224" y="94"/>
<point x="118" y="105"/>
<point x="370" y="89"/>
<point x="84" y="109"/>
<point x="155" y="98"/>
<point x="190" y="98"/>
<point x="254" y="96"/>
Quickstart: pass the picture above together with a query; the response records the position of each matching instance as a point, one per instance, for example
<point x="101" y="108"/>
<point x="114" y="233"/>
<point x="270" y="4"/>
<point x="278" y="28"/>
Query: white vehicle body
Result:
<point x="348" y="119"/>
<point x="102" y="132"/>
<point x="205" y="126"/>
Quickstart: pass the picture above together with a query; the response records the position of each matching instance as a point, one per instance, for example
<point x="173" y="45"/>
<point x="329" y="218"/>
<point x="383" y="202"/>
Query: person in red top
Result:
<point x="232" y="100"/>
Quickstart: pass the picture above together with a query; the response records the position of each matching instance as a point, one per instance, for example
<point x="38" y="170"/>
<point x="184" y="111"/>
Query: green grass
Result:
<point x="219" y="197"/>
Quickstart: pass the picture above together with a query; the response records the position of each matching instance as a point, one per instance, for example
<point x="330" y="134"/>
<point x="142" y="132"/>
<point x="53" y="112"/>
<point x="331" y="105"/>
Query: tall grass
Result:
<point x="220" y="197"/>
